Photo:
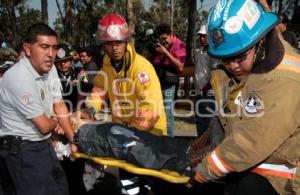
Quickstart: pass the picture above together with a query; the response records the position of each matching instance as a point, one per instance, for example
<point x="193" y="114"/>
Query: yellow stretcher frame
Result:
<point x="167" y="175"/>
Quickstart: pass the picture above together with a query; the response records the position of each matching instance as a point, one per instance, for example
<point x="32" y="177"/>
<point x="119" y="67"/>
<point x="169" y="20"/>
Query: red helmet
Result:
<point x="113" y="27"/>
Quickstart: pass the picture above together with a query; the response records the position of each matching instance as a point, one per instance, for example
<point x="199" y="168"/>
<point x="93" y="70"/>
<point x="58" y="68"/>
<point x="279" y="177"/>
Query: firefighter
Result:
<point x="132" y="87"/>
<point x="257" y="96"/>
<point x="128" y="79"/>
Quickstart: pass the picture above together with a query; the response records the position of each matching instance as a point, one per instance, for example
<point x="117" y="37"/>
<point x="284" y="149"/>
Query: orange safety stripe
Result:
<point x="214" y="166"/>
<point x="219" y="166"/>
<point x="229" y="168"/>
<point x="275" y="170"/>
<point x="198" y="177"/>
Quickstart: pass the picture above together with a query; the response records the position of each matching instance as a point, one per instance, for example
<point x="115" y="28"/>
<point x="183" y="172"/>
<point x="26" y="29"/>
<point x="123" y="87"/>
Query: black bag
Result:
<point x="166" y="74"/>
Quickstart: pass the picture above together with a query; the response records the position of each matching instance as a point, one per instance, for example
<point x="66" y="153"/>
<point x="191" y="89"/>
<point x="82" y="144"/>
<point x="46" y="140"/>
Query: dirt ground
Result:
<point x="184" y="122"/>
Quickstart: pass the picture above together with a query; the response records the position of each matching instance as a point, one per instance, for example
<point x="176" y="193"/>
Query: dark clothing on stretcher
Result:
<point x="142" y="149"/>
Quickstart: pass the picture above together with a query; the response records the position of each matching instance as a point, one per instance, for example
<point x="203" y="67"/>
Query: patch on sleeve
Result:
<point x="143" y="77"/>
<point x="27" y="99"/>
<point x="252" y="104"/>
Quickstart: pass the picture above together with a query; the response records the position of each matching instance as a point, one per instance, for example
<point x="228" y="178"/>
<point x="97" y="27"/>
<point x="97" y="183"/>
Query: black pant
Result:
<point x="74" y="173"/>
<point x="6" y="185"/>
<point x="35" y="169"/>
<point x="247" y="184"/>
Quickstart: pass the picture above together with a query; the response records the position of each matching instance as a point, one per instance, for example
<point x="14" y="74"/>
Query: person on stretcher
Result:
<point x="144" y="149"/>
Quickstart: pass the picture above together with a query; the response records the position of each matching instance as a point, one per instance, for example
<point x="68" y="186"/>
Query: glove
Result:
<point x="93" y="105"/>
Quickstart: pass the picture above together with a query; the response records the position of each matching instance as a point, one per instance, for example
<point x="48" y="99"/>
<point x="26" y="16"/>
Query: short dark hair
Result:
<point x="38" y="29"/>
<point x="87" y="50"/>
<point x="283" y="18"/>
<point x="163" y="28"/>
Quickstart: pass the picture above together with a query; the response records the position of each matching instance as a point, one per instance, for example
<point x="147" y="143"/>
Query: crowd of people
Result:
<point x="246" y="78"/>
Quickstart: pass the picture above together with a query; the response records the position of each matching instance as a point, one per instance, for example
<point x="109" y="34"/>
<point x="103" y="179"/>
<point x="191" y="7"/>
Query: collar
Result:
<point x="30" y="68"/>
<point x="274" y="52"/>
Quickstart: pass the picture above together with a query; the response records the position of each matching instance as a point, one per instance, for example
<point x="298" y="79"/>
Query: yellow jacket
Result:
<point x="137" y="89"/>
<point x="261" y="119"/>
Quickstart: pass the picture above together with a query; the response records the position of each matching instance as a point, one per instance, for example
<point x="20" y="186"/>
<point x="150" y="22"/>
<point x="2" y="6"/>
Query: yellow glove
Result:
<point x="94" y="102"/>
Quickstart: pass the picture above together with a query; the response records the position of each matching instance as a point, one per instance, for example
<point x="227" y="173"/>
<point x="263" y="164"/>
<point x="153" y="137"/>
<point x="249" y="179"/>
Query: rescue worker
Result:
<point x="67" y="74"/>
<point x="256" y="92"/>
<point x="129" y="80"/>
<point x="69" y="81"/>
<point x="31" y="109"/>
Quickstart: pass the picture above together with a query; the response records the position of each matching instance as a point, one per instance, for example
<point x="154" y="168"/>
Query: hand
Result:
<point x="145" y="120"/>
<point x="265" y="5"/>
<point x="74" y="148"/>
<point x="161" y="48"/>
<point x="58" y="130"/>
<point x="262" y="2"/>
<point x="77" y="121"/>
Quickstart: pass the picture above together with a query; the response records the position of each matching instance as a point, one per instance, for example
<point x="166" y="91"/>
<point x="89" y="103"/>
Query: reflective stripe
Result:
<point x="218" y="163"/>
<point x="276" y="170"/>
<point x="126" y="182"/>
<point x="133" y="191"/>
<point x="198" y="177"/>
<point x="294" y="58"/>
<point x="291" y="62"/>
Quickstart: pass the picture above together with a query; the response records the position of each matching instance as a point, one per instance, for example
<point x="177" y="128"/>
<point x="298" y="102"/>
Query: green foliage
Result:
<point x="15" y="18"/>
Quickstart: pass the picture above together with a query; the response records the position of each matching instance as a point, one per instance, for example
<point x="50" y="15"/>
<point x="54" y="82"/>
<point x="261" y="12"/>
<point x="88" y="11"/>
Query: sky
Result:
<point x="53" y="11"/>
<point x="52" y="8"/>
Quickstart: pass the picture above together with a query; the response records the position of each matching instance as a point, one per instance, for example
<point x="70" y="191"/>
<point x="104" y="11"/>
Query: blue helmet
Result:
<point x="234" y="26"/>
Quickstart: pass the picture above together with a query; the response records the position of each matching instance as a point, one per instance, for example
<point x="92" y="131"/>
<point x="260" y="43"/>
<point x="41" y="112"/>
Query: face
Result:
<point x="281" y="26"/>
<point x="166" y="39"/>
<point x="240" y="66"/>
<point x="64" y="65"/>
<point x="115" y="50"/>
<point x="85" y="58"/>
<point x="42" y="53"/>
<point x="203" y="39"/>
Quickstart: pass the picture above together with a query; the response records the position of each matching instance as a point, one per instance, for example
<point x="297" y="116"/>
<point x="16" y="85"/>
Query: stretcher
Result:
<point x="167" y="175"/>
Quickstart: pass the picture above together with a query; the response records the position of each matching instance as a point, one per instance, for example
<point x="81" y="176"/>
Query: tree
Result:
<point x="8" y="10"/>
<point x="130" y="16"/>
<point x="191" y="40"/>
<point x="44" y="4"/>
<point x="13" y="26"/>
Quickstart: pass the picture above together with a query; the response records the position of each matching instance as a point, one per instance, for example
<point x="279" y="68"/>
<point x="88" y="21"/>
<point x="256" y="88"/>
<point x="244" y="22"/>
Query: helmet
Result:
<point x="65" y="51"/>
<point x="113" y="27"/>
<point x="202" y="30"/>
<point x="234" y="26"/>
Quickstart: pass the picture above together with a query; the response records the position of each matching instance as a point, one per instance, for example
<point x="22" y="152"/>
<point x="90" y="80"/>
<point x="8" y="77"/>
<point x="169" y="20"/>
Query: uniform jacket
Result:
<point x="69" y="82"/>
<point x="136" y="89"/>
<point x="260" y="117"/>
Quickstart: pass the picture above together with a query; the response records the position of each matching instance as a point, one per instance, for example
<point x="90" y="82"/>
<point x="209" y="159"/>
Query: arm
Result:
<point x="265" y="5"/>
<point x="44" y="124"/>
<point x="145" y="120"/>
<point x="177" y="63"/>
<point x="255" y="139"/>
<point x="62" y="114"/>
<point x="150" y="101"/>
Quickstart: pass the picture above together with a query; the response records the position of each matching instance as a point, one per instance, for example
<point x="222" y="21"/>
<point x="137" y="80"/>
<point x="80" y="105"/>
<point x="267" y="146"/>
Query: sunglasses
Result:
<point x="238" y="58"/>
